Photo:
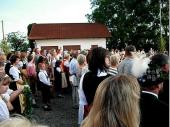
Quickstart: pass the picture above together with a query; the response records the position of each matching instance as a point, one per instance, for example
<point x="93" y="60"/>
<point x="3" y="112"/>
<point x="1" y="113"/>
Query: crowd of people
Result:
<point x="126" y="88"/>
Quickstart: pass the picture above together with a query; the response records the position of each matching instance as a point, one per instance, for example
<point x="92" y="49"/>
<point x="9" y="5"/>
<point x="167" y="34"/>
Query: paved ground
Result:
<point x="62" y="114"/>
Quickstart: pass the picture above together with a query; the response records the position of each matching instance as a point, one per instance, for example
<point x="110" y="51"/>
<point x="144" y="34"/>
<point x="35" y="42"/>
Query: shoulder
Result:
<point x="88" y="74"/>
<point x="40" y="73"/>
<point x="13" y="69"/>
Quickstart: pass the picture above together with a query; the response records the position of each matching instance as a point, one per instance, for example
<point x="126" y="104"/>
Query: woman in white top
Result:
<point x="82" y="99"/>
<point x="17" y="79"/>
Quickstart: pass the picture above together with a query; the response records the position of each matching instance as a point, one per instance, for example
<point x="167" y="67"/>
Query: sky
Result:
<point x="18" y="14"/>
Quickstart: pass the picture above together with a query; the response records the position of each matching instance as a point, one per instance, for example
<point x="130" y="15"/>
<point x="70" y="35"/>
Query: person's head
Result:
<point x="41" y="59"/>
<point x="114" y="60"/>
<point x="43" y="52"/>
<point x="9" y="55"/>
<point x="14" y="59"/>
<point x="161" y="60"/>
<point x="30" y="58"/>
<point x="84" y="52"/>
<point x="42" y="66"/>
<point x="152" y="79"/>
<point x="53" y="52"/>
<point x="74" y="54"/>
<point x="19" y="121"/>
<point x="116" y="103"/>
<point x="18" y="53"/>
<point x="4" y="82"/>
<point x="98" y="59"/>
<point x="130" y="50"/>
<point x="81" y="59"/>
<point x="2" y="59"/>
<point x="37" y="51"/>
<point x="23" y="55"/>
<point x="67" y="56"/>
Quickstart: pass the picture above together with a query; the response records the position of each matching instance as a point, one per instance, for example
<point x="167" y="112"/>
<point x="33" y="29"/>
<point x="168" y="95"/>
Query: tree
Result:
<point x="5" y="47"/>
<point x="165" y="23"/>
<point x="134" y="22"/>
<point x="18" y="41"/>
<point x="162" y="45"/>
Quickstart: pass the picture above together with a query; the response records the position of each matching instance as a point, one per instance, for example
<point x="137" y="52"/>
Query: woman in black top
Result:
<point x="98" y="63"/>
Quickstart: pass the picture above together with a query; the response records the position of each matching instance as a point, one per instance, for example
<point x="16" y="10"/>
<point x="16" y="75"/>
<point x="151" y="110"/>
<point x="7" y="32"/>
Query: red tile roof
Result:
<point x="68" y="31"/>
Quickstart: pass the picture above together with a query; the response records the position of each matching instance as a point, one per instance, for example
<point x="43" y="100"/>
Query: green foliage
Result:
<point x="134" y="22"/>
<point x="17" y="41"/>
<point x="5" y="47"/>
<point x="28" y="99"/>
<point x="162" y="45"/>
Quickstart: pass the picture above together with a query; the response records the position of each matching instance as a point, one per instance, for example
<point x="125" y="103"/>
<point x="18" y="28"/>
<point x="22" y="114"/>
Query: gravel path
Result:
<point x="62" y="114"/>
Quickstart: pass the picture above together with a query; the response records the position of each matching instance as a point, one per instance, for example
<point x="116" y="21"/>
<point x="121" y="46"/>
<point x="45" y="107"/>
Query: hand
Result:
<point x="20" y="89"/>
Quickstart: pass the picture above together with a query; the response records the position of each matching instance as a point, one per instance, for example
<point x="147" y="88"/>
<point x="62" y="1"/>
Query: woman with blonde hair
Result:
<point x="116" y="103"/>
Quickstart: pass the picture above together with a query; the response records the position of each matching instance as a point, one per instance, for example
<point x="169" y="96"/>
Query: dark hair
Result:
<point x="57" y="63"/>
<point x="152" y="77"/>
<point x="30" y="57"/>
<point x="160" y="59"/>
<point x="74" y="54"/>
<point x="9" y="55"/>
<point x="96" y="59"/>
<point x="41" y="59"/>
<point x="13" y="59"/>
<point x="129" y="49"/>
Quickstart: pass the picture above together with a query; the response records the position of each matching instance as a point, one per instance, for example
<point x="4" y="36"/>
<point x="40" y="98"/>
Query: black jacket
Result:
<point x="90" y="84"/>
<point x="154" y="113"/>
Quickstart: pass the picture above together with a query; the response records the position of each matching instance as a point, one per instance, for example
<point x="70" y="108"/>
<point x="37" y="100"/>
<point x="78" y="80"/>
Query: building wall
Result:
<point x="84" y="43"/>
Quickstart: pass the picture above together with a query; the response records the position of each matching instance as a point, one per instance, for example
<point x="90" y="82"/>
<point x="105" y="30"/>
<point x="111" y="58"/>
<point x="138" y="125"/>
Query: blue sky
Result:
<point x="17" y="14"/>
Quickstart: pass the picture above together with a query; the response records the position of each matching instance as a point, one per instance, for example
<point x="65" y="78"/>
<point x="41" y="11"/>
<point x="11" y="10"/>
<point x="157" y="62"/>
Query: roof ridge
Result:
<point x="62" y="23"/>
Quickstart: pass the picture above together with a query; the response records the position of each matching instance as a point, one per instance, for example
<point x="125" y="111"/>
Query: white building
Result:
<point x="75" y="36"/>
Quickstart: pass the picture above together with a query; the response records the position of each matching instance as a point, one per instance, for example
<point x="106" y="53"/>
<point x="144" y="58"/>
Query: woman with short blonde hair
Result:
<point x="116" y="103"/>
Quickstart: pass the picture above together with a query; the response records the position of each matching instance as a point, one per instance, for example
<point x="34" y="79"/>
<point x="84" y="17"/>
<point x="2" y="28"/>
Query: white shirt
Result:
<point x="9" y="91"/>
<point x="82" y="96"/>
<point x="4" y="113"/>
<point x="6" y="95"/>
<point x="58" y="69"/>
<point x="101" y="73"/>
<point x="20" y="64"/>
<point x="53" y="62"/>
<point x="15" y="73"/>
<point x="150" y="93"/>
<point x="43" y="77"/>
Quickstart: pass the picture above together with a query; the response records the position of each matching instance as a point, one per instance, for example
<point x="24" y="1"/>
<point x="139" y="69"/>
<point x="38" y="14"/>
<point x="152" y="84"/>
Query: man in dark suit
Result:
<point x="162" y="61"/>
<point x="154" y="113"/>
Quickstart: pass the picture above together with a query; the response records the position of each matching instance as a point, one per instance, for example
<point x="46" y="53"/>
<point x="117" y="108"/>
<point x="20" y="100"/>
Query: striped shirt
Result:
<point x="112" y="71"/>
